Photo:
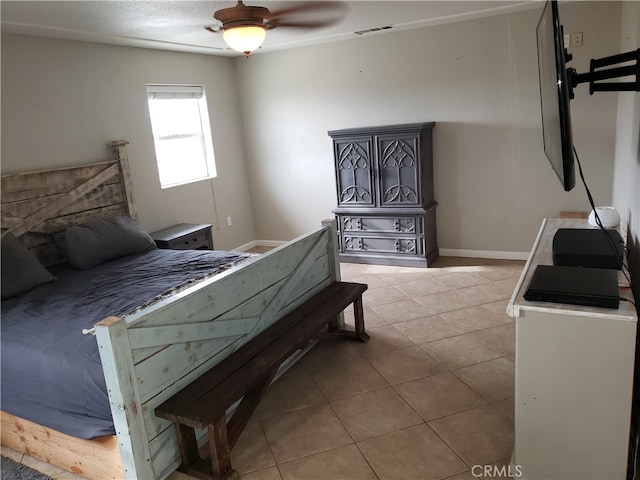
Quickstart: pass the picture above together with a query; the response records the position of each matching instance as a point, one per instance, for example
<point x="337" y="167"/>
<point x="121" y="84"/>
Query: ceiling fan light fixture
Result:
<point x="244" y="38"/>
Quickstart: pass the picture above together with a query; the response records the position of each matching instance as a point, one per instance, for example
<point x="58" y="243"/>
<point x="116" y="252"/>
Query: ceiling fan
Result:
<point x="244" y="27"/>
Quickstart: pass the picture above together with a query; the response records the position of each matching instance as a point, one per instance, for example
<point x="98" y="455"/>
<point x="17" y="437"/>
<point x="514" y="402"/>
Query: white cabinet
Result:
<point x="574" y="380"/>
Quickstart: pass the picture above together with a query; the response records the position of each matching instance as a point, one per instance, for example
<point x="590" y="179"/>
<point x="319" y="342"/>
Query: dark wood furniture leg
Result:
<point x="220" y="450"/>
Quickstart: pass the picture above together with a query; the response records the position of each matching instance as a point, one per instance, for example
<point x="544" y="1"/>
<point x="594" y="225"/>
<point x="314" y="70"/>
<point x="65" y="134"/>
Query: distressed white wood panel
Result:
<point x="229" y="289"/>
<point x="175" y="361"/>
<point x="117" y="363"/>
<point x="165" y="455"/>
<point x="284" y="297"/>
<point x="332" y="248"/>
<point x="166" y="335"/>
<point x="201" y="311"/>
<point x="155" y="425"/>
<point x="317" y="277"/>
<point x="249" y="309"/>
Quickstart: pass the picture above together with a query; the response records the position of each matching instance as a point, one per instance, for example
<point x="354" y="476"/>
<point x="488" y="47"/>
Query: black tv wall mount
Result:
<point x="598" y="72"/>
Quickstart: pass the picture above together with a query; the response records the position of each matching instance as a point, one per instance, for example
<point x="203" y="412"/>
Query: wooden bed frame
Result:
<point x="155" y="352"/>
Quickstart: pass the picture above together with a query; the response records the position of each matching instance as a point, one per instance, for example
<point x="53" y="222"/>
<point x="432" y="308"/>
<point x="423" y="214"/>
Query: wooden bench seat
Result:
<point x="246" y="374"/>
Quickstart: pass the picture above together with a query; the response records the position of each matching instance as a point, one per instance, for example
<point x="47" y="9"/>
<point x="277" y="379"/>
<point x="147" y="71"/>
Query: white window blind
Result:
<point x="181" y="133"/>
<point x="172" y="92"/>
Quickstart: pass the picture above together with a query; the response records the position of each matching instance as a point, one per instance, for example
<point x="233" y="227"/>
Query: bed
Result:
<point x="143" y="349"/>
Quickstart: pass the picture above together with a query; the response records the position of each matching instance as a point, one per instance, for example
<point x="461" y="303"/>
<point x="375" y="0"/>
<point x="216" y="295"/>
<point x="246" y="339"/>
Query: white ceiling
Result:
<point x="179" y="25"/>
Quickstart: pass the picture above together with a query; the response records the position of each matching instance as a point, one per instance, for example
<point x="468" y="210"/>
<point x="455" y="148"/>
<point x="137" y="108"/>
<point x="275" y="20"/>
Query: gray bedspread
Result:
<point x="50" y="371"/>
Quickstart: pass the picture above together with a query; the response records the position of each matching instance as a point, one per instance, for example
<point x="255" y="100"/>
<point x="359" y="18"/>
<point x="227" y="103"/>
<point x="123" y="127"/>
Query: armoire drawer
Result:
<point x="380" y="244"/>
<point x="387" y="224"/>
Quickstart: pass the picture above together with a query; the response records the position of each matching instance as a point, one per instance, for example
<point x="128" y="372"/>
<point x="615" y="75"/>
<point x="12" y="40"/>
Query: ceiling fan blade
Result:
<point x="306" y="7"/>
<point x="302" y="24"/>
<point x="213" y="28"/>
<point x="326" y="13"/>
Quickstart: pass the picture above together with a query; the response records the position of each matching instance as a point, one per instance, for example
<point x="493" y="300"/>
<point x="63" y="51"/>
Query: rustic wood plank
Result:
<point x="219" y="448"/>
<point x="65" y="220"/>
<point x="332" y="248"/>
<point x="164" y="451"/>
<point x="232" y="288"/>
<point x="177" y="334"/>
<point x="98" y="458"/>
<point x="176" y="361"/>
<point x="50" y="209"/>
<point x="187" y="443"/>
<point x="197" y="305"/>
<point x="21" y="186"/>
<point x="91" y="205"/>
<point x="124" y="398"/>
<point x="119" y="148"/>
<point x="284" y="296"/>
<point x="334" y="260"/>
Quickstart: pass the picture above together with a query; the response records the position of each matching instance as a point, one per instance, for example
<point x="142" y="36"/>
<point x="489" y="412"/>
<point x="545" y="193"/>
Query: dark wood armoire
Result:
<point x="386" y="211"/>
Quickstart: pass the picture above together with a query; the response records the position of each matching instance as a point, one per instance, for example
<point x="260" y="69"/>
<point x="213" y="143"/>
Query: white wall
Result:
<point x="476" y="79"/>
<point x="626" y="181"/>
<point x="63" y="101"/>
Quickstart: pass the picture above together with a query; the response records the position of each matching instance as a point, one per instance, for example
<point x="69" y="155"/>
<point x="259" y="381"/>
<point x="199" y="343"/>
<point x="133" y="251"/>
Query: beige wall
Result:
<point x="63" y="101"/>
<point x="476" y="79"/>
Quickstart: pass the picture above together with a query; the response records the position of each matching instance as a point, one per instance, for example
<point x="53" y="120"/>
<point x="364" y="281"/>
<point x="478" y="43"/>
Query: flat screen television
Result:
<point x="555" y="94"/>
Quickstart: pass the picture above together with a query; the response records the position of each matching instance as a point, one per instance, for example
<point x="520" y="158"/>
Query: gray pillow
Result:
<point x="98" y="241"/>
<point x="21" y="270"/>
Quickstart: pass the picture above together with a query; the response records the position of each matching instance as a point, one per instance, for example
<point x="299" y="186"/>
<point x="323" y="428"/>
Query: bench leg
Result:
<point x="220" y="451"/>
<point x="358" y="314"/>
<point x="359" y="334"/>
<point x="187" y="444"/>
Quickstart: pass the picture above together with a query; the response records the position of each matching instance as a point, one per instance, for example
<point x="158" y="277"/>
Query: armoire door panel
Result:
<point x="354" y="172"/>
<point x="399" y="171"/>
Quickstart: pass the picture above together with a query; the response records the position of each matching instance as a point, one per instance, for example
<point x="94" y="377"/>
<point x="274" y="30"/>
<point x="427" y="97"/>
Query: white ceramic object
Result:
<point x="609" y="217"/>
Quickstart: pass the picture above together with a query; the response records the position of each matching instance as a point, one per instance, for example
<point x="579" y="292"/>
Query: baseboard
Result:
<point x="269" y="243"/>
<point x="444" y="252"/>
<point x="455" y="252"/>
<point x="245" y="247"/>
<point x="259" y="243"/>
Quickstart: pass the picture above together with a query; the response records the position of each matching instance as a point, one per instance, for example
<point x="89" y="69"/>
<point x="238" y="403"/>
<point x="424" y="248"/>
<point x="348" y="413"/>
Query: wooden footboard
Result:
<point x="154" y="353"/>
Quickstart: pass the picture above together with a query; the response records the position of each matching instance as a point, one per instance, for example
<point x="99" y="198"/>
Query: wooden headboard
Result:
<point x="35" y="205"/>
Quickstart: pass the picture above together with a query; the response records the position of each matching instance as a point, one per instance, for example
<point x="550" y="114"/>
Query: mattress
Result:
<point x="50" y="370"/>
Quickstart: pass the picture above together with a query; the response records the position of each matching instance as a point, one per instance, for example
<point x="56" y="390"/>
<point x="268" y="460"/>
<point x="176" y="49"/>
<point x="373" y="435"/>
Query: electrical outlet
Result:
<point x="576" y="39"/>
<point x="229" y="223"/>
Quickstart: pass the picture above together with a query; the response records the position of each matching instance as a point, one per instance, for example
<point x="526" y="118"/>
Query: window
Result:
<point x="181" y="133"/>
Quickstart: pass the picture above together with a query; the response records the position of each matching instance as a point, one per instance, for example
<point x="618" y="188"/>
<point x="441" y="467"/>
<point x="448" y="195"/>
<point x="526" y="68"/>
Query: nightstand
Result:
<point x="184" y="236"/>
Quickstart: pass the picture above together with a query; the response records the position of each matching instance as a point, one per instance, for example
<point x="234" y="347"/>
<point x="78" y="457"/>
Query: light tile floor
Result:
<point x="429" y="397"/>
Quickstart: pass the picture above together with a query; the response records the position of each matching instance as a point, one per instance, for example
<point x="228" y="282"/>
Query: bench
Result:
<point x="246" y="374"/>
